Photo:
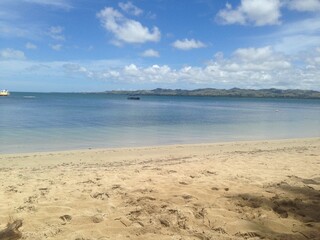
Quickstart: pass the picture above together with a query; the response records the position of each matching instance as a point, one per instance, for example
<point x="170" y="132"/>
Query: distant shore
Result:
<point x="233" y="92"/>
<point x="209" y="92"/>
<point x="237" y="190"/>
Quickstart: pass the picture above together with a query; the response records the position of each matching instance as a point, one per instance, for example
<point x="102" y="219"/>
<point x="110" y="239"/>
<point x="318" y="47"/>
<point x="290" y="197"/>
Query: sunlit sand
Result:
<point x="240" y="190"/>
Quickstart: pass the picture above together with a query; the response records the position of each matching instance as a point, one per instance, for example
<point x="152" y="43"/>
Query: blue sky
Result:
<point x="97" y="45"/>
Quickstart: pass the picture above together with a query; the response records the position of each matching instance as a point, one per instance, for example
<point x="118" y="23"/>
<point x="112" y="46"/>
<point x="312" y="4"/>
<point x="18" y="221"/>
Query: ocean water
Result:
<point x="62" y="121"/>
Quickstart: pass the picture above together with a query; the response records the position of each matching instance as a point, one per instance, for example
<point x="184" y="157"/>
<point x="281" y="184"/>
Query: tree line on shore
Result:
<point x="233" y="92"/>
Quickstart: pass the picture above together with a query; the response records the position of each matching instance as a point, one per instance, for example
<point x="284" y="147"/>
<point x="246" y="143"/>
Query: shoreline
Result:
<point x="91" y="149"/>
<point x="233" y="190"/>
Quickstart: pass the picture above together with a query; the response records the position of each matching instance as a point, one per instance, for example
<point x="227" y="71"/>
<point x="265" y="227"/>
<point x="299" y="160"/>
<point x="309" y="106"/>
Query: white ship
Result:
<point x="4" y="93"/>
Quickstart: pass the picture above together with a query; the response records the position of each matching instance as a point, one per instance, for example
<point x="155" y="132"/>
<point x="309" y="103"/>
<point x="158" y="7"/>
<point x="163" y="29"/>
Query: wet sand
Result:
<point x="240" y="190"/>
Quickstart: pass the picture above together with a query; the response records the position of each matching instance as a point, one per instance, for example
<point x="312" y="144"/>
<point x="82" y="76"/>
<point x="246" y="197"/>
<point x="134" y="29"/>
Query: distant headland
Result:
<point x="233" y="92"/>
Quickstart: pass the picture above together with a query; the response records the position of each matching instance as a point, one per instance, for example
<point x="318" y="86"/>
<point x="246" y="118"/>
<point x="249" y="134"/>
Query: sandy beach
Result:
<point x="237" y="190"/>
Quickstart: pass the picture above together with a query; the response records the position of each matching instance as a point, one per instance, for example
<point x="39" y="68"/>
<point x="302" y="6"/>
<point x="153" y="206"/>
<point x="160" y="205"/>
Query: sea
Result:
<point x="41" y="122"/>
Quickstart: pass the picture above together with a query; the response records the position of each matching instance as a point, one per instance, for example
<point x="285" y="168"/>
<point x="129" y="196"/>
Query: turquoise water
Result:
<point x="58" y="121"/>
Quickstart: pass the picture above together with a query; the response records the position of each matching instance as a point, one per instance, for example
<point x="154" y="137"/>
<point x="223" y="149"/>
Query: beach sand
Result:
<point x="240" y="190"/>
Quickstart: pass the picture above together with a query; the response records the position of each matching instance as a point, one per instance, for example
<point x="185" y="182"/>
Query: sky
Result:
<point x="98" y="45"/>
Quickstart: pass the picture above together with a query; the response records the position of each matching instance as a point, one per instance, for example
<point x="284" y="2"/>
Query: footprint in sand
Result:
<point x="247" y="235"/>
<point x="183" y="183"/>
<point x="65" y="218"/>
<point x="97" y="218"/>
<point x="208" y="173"/>
<point x="125" y="221"/>
<point x="116" y="186"/>
<point x="100" y="195"/>
<point x="187" y="196"/>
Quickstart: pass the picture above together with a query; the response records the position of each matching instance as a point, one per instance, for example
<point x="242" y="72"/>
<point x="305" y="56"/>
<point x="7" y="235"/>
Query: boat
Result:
<point x="4" y="93"/>
<point x="133" y="98"/>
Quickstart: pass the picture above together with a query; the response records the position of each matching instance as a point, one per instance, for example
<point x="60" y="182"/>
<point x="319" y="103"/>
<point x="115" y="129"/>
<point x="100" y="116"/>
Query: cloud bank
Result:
<point x="247" y="68"/>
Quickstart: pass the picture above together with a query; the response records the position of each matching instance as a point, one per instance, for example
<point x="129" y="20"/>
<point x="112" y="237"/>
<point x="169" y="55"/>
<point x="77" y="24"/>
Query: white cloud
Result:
<point x="56" y="47"/>
<point x="30" y="46"/>
<point x="153" y="74"/>
<point x="187" y="44"/>
<point x="126" y="30"/>
<point x="247" y="68"/>
<point x="76" y="68"/>
<point x="306" y="27"/>
<point x="253" y="54"/>
<point x="296" y="36"/>
<point x="63" y="4"/>
<point x="55" y="32"/>
<point x="230" y="16"/>
<point x="256" y="12"/>
<point x="313" y="59"/>
<point x="259" y="59"/>
<point x="131" y="69"/>
<point x="296" y="43"/>
<point x="10" y="53"/>
<point x="150" y="53"/>
<point x="304" y="5"/>
<point x="130" y="8"/>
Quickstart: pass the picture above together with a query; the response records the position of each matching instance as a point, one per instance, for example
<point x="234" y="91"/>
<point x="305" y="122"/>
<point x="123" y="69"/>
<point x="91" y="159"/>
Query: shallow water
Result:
<point x="63" y="121"/>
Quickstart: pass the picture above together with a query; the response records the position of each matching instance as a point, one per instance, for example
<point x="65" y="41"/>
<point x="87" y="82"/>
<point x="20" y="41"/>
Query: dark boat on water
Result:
<point x="133" y="98"/>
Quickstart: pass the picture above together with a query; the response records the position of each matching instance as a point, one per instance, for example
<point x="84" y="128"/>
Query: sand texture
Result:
<point x="242" y="190"/>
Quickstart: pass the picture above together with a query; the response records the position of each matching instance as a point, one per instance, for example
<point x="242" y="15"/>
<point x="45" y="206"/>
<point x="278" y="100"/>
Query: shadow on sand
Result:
<point x="296" y="202"/>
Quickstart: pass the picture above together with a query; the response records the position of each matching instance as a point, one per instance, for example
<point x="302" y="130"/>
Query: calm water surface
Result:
<point x="57" y="121"/>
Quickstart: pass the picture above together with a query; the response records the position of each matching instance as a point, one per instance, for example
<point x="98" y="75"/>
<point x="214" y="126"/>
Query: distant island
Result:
<point x="233" y="92"/>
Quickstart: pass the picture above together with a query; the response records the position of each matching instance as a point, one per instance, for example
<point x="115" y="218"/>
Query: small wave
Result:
<point x="29" y="96"/>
